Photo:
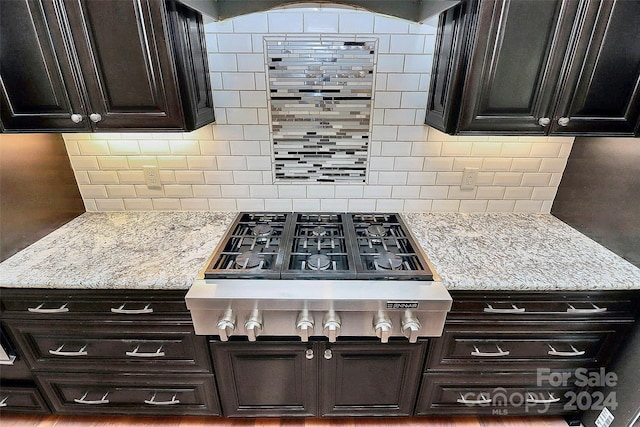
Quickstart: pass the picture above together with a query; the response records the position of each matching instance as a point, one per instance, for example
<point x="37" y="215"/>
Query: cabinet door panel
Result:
<point x="126" y="62"/>
<point x="370" y="378"/>
<point x="266" y="379"/>
<point x="513" y="71"/>
<point x="605" y="98"/>
<point x="37" y="85"/>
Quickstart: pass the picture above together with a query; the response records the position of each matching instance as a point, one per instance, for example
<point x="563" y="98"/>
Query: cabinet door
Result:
<point x="602" y="92"/>
<point x="123" y="49"/>
<point x="517" y="51"/>
<point x="266" y="378"/>
<point x="360" y="378"/>
<point x="38" y="90"/>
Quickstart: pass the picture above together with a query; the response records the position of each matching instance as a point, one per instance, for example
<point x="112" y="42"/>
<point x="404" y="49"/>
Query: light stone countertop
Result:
<point x="166" y="250"/>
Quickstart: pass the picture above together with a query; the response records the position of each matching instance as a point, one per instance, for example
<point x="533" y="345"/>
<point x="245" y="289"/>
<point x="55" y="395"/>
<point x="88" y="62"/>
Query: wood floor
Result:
<point x="96" y="421"/>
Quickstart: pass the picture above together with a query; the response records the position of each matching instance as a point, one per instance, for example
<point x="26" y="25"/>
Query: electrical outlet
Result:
<point x="469" y="179"/>
<point x="152" y="176"/>
<point x="605" y="418"/>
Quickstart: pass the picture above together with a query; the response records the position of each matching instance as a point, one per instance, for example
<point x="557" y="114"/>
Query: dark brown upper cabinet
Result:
<point x="537" y="67"/>
<point x="102" y="65"/>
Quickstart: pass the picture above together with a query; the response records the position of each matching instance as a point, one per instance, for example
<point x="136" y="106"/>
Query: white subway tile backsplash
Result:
<point x="172" y="162"/>
<point x="358" y="23"/>
<point x="92" y="147"/>
<point x="285" y="22"/>
<point x="407" y="43"/>
<point x="229" y="165"/>
<point x="103" y="177"/>
<point x="110" y="205"/>
<point x="384" y="24"/>
<point x="234" y="43"/>
<point x="251" y="23"/>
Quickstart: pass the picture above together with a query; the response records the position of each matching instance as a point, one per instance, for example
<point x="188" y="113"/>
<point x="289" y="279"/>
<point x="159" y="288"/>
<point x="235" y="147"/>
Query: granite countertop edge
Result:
<point x="167" y="250"/>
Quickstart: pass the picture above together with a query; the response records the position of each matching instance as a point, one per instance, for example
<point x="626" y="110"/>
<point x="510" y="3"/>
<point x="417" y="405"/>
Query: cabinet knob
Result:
<point x="253" y="325"/>
<point x="308" y="353"/>
<point x="95" y="117"/>
<point x="331" y="326"/>
<point x="410" y="327"/>
<point x="382" y="327"/>
<point x="226" y="325"/>
<point x="563" y="121"/>
<point x="76" y="118"/>
<point x="304" y="325"/>
<point x="544" y="121"/>
<point x="328" y="354"/>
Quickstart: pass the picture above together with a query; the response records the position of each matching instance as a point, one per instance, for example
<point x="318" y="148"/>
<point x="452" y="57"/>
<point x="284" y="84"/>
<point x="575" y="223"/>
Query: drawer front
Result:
<point x="496" y="394"/>
<point x="113" y="305"/>
<point x="564" y="307"/>
<point x="193" y="394"/>
<point x="508" y="347"/>
<point x="117" y="346"/>
<point x="22" y="399"/>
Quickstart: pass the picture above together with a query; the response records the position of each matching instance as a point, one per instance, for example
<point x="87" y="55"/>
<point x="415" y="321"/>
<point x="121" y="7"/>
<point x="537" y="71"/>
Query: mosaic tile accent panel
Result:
<point x="320" y="92"/>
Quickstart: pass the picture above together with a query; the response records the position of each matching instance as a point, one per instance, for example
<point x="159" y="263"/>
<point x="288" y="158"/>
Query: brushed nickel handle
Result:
<point x="62" y="309"/>
<point x="499" y="353"/>
<point x="573" y="353"/>
<point x="3" y="402"/>
<point x="544" y="121"/>
<point x="514" y="309"/>
<point x="483" y="400"/>
<point x="95" y="117"/>
<point x="6" y="358"/>
<point x="76" y="118"/>
<point x="153" y="401"/>
<point x="59" y="352"/>
<point x="309" y="354"/>
<point x="136" y="353"/>
<point x="595" y="309"/>
<point x="563" y="121"/>
<point x="532" y="399"/>
<point x="328" y="354"/>
<point x="121" y="310"/>
<point x="83" y="400"/>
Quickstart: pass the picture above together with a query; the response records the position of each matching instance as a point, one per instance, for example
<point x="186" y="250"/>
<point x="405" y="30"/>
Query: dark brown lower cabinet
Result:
<point x="492" y="394"/>
<point x="22" y="399"/>
<point x="347" y="378"/>
<point x="137" y="394"/>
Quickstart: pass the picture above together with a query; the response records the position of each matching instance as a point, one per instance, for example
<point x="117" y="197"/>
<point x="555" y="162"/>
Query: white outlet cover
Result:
<point x="605" y="418"/>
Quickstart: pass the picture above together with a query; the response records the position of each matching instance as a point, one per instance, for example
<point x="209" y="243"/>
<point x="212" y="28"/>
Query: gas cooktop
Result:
<point x="317" y="246"/>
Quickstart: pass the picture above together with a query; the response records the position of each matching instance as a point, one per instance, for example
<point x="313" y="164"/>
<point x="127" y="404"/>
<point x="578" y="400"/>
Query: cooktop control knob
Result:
<point x="253" y="325"/>
<point x="304" y="325"/>
<point x="226" y="324"/>
<point x="382" y="327"/>
<point x="331" y="325"/>
<point x="410" y="326"/>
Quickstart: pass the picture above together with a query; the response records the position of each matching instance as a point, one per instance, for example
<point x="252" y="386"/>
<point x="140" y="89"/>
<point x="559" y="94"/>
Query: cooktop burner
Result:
<point x="318" y="246"/>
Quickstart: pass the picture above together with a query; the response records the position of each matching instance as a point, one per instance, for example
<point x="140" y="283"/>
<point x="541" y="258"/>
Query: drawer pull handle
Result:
<point x="135" y="353"/>
<point x="500" y="352"/>
<point x="153" y="401"/>
<point x="532" y="399"/>
<point x="59" y="352"/>
<point x="595" y="309"/>
<point x="3" y="402"/>
<point x="514" y="309"/>
<point x="121" y="310"/>
<point x="574" y="352"/>
<point x="62" y="309"/>
<point x="483" y="400"/>
<point x="11" y="358"/>
<point x="83" y="400"/>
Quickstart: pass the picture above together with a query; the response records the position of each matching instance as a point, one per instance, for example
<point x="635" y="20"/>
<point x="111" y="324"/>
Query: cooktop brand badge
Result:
<point x="402" y="305"/>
